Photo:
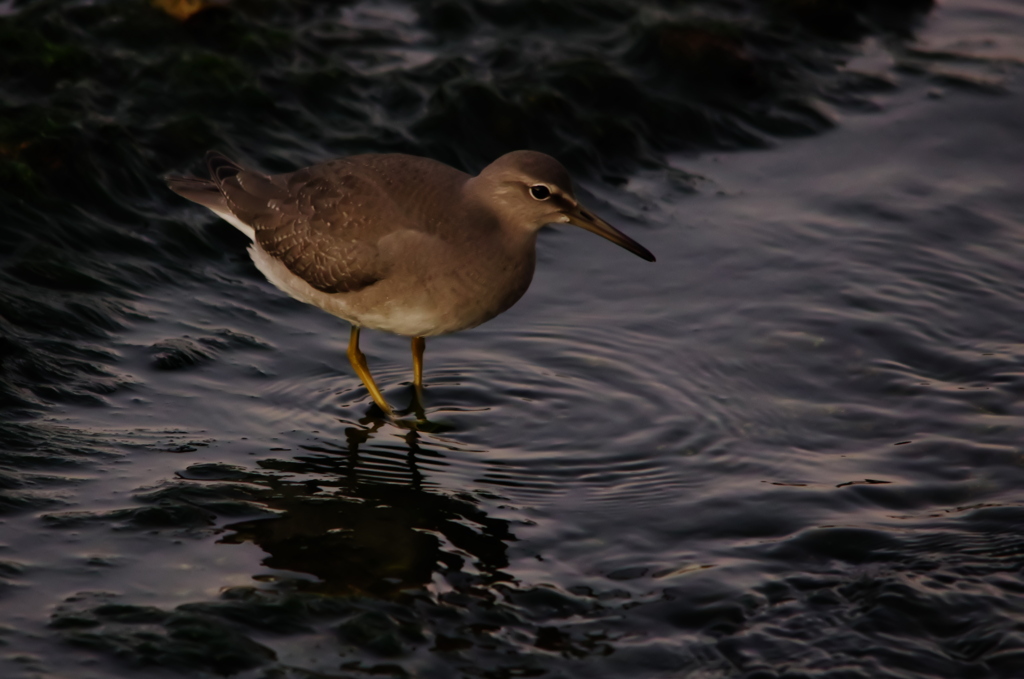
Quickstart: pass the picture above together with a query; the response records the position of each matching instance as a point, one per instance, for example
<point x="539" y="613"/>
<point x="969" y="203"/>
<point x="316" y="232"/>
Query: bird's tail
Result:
<point x="207" y="192"/>
<point x="202" y="191"/>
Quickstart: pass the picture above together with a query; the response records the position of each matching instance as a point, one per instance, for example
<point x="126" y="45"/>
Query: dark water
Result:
<point x="791" y="448"/>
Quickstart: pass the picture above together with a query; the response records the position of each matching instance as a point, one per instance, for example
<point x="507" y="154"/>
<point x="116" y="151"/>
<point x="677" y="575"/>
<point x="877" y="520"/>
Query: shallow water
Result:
<point x="789" y="448"/>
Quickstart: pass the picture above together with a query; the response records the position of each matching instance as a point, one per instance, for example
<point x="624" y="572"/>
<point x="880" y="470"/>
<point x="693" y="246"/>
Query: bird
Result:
<point x="399" y="243"/>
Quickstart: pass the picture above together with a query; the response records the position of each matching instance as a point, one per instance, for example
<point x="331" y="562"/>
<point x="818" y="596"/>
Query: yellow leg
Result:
<point x="358" y="361"/>
<point x="418" y="345"/>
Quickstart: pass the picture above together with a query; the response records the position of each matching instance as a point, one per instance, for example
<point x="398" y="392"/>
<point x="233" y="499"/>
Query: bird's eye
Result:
<point x="540" y="192"/>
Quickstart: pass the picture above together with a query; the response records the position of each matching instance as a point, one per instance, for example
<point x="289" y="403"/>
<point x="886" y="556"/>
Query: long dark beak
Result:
<point x="583" y="219"/>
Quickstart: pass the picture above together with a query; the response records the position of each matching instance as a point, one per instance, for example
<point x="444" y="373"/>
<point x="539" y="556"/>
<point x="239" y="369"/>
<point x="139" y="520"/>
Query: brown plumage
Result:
<point x="396" y="242"/>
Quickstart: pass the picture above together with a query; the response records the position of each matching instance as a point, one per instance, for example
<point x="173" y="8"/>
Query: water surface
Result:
<point x="790" y="448"/>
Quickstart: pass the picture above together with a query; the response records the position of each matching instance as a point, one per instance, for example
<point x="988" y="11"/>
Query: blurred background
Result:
<point x="790" y="448"/>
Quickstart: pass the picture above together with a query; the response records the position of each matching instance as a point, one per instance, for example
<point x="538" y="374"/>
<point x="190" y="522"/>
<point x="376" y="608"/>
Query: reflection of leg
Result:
<point x="418" y="345"/>
<point x="358" y="361"/>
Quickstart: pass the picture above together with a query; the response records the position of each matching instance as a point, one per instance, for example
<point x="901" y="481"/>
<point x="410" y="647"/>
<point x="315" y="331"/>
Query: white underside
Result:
<point x="390" y="316"/>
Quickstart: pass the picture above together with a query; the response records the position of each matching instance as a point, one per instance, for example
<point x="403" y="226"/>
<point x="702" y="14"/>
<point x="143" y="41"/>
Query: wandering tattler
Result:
<point x="399" y="243"/>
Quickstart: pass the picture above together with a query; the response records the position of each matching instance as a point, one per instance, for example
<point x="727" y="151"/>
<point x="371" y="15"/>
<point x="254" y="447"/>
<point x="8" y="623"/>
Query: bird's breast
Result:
<point x="440" y="287"/>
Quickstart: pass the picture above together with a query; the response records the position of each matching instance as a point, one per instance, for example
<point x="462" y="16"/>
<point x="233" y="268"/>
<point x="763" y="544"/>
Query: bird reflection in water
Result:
<point x="365" y="520"/>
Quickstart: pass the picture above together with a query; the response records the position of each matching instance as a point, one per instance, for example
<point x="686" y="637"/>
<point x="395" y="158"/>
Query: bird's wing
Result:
<point x="324" y="222"/>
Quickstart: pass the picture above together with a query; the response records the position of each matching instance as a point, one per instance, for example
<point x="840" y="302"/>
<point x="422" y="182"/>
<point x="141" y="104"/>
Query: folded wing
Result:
<point x="310" y="220"/>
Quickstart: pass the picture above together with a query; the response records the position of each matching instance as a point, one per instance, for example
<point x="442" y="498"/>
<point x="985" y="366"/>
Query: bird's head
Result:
<point x="530" y="189"/>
